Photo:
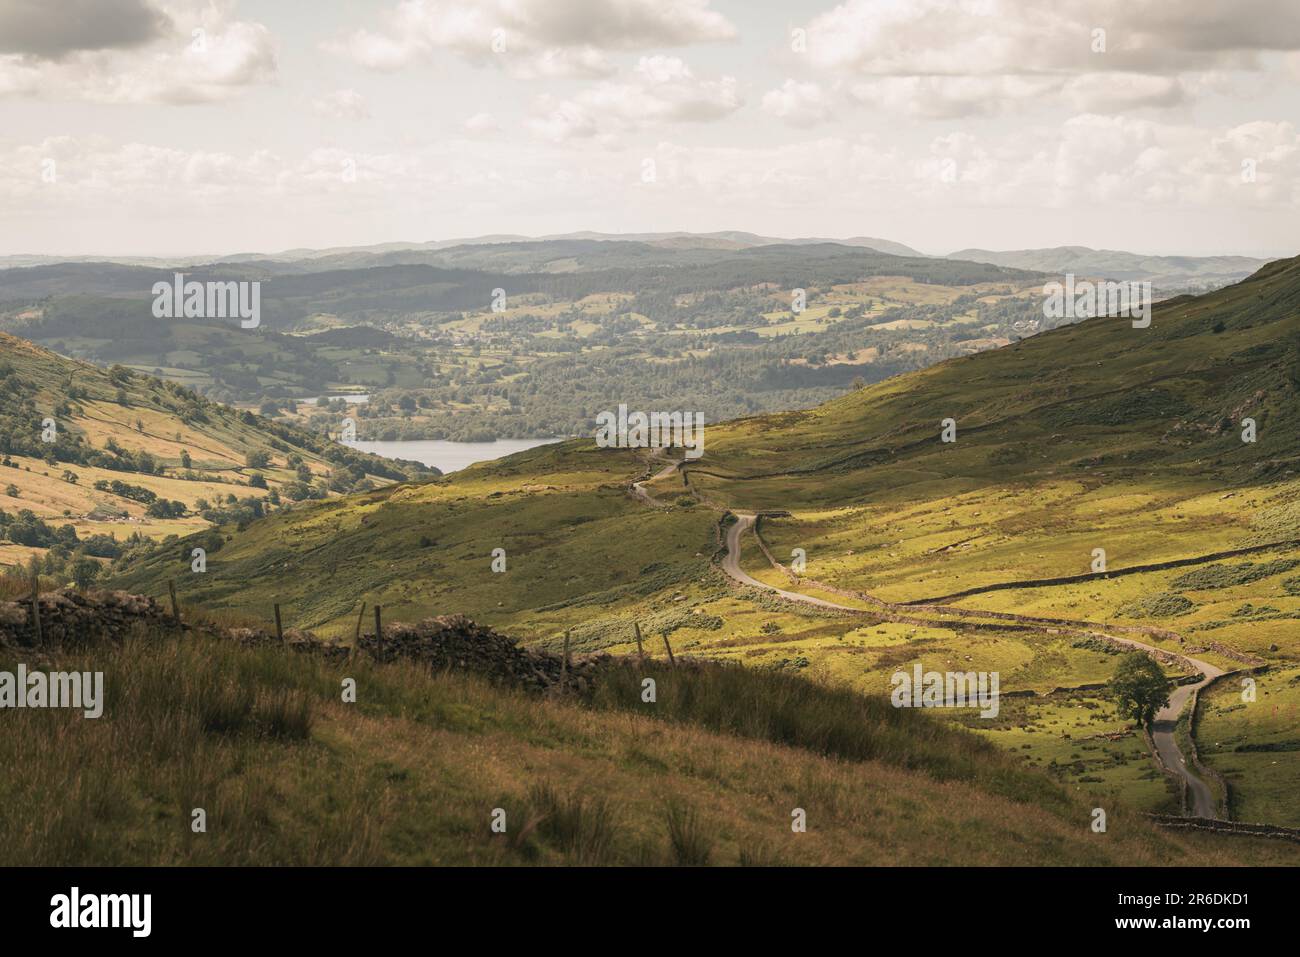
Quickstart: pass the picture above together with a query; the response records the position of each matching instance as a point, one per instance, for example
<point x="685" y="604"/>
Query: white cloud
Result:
<point x="660" y="89"/>
<point x="952" y="97"/>
<point x="953" y="58"/>
<point x="342" y="105"/>
<point x="1088" y="159"/>
<point x="531" y="38"/>
<point x="1117" y="92"/>
<point x="798" y="104"/>
<point x="481" y="124"/>
<point x="206" y="56"/>
<point x="37" y="28"/>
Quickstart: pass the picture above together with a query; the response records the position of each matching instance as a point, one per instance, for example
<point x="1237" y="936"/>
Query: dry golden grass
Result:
<point x="289" y="774"/>
<point x="108" y="420"/>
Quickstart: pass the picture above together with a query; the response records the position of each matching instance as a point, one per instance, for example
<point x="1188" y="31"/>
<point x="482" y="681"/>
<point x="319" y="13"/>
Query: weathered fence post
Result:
<point x="564" y="665"/>
<point x="356" y="636"/>
<point x="36" y="607"/>
<point x="379" y="634"/>
<point x="176" y="608"/>
<point x="640" y="652"/>
<point x="279" y="632"/>
<point x="671" y="660"/>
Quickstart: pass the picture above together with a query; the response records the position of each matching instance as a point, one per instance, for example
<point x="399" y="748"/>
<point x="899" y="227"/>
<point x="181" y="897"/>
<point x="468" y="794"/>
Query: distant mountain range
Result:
<point x="391" y="253"/>
<point x="1179" y="272"/>
<point x="539" y="253"/>
<point x="1168" y="272"/>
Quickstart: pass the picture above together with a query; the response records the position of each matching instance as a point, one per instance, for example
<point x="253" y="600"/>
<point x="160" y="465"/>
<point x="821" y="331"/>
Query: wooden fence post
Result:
<point x="176" y="609"/>
<point x="671" y="660"/>
<point x="640" y="652"/>
<point x="379" y="634"/>
<point x="36" y="607"/>
<point x="356" y="636"/>
<point x="279" y="632"/>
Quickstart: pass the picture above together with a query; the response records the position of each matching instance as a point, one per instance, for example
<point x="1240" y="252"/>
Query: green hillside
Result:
<point x="131" y="458"/>
<point x="1093" y="436"/>
<point x="580" y="324"/>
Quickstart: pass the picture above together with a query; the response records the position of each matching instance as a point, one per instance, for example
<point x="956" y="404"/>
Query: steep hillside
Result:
<point x="111" y="455"/>
<point x="423" y="765"/>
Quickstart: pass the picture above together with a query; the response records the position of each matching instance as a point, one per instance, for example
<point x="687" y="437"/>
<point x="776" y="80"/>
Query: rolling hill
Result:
<point x="374" y="254"/>
<point x="1094" y="436"/>
<point x="527" y="339"/>
<point x="112" y="456"/>
<point x="1165" y="273"/>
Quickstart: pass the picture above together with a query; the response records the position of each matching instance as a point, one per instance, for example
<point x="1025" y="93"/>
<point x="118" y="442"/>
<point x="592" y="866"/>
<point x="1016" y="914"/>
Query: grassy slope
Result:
<point x="1254" y="744"/>
<point x="288" y="774"/>
<point x="1094" y="435"/>
<point x="154" y="419"/>
<point x="427" y="549"/>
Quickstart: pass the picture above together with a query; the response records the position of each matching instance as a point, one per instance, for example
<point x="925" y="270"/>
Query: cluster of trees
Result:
<point x="22" y="427"/>
<point x="25" y="528"/>
<point x="232" y="510"/>
<point x="135" y="493"/>
<point x="156" y="507"/>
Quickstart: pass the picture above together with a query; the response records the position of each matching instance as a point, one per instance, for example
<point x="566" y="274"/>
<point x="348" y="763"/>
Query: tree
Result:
<point x="84" y="571"/>
<point x="1139" y="687"/>
<point x="259" y="459"/>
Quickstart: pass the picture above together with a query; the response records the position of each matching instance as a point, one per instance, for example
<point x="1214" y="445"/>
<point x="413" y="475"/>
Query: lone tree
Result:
<point x="84" y="571"/>
<point x="1139" y="687"/>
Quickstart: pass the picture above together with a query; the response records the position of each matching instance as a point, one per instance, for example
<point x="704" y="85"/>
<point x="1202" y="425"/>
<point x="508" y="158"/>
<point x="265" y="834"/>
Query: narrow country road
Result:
<point x="1201" y="797"/>
<point x="731" y="565"/>
<point x="638" y="488"/>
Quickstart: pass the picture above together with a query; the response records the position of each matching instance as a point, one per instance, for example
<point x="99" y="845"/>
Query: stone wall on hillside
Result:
<point x="71" y="620"/>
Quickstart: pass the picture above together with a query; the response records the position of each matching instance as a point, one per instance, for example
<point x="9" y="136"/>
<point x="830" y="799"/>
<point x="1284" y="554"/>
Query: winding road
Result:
<point x="1201" y="797"/>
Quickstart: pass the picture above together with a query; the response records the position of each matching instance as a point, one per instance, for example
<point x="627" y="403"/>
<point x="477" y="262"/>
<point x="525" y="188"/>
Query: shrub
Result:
<point x="1163" y="605"/>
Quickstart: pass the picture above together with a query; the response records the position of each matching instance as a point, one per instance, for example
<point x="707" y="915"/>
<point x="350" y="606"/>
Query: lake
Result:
<point x="448" y="456"/>
<point x="351" y="398"/>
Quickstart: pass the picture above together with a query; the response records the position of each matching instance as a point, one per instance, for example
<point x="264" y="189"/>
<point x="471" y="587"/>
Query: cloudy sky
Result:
<point x="187" y="127"/>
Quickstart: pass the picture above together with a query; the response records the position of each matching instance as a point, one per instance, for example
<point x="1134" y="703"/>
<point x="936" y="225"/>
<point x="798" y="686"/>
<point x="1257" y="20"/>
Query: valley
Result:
<point x="1136" y="454"/>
